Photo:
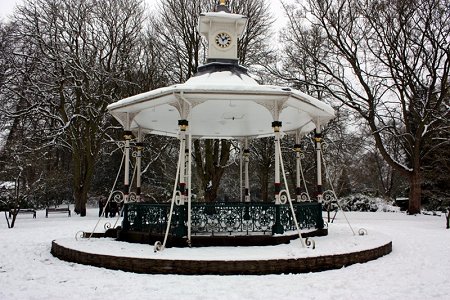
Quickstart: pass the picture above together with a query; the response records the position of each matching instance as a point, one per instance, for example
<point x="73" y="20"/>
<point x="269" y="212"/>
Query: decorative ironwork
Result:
<point x="304" y="196"/>
<point x="362" y="231"/>
<point x="330" y="201"/>
<point x="107" y="226"/>
<point x="117" y="196"/>
<point x="221" y="218"/>
<point x="310" y="243"/>
<point x="157" y="247"/>
<point x="132" y="197"/>
<point x="79" y="235"/>
<point x="283" y="196"/>
<point x="178" y="198"/>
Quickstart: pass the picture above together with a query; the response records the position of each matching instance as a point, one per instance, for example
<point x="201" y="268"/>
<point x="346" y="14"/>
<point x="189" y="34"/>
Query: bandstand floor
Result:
<point x="339" y="249"/>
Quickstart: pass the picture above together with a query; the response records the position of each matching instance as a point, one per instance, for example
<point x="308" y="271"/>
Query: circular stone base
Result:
<point x="334" y="253"/>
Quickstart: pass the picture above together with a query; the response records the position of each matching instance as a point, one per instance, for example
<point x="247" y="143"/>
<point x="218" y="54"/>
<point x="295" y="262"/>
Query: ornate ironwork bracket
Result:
<point x="362" y="231"/>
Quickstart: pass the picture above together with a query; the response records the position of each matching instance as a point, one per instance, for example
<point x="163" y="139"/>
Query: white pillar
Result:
<point x="127" y="135"/>
<point x="241" y="185"/>
<point x="298" y="150"/>
<point x="276" y="128"/>
<point x="246" y="161"/>
<point x="277" y="228"/>
<point x="318" y="140"/>
<point x="189" y="188"/>
<point x="139" y="148"/>
<point x="183" y="127"/>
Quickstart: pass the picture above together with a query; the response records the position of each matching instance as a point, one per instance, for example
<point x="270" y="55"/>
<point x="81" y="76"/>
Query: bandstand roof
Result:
<point x="221" y="101"/>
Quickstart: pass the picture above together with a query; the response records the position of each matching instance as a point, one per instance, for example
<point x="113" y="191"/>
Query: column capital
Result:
<point x="276" y="125"/>
<point x="183" y="124"/>
<point x="127" y="135"/>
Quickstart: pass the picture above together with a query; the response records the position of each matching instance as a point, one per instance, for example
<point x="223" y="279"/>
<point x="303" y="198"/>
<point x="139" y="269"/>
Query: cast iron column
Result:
<point x="247" y="181"/>
<point x="298" y="153"/>
<point x="181" y="229"/>
<point x="318" y="140"/>
<point x="127" y="135"/>
<point x="277" y="227"/>
<point x="139" y="148"/>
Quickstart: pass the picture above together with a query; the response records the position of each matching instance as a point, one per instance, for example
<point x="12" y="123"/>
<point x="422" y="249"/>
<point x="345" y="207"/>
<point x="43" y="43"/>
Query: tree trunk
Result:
<point x="14" y="216"/>
<point x="82" y="176"/>
<point x="80" y="197"/>
<point x="211" y="190"/>
<point x="447" y="217"/>
<point x="211" y="169"/>
<point x="415" y="191"/>
<point x="264" y="182"/>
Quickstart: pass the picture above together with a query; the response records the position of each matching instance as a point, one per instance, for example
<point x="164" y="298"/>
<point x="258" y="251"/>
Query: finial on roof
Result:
<point x="222" y="6"/>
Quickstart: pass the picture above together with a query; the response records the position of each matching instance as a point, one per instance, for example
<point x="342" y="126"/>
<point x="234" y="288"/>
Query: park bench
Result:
<point x="57" y="210"/>
<point x="23" y="211"/>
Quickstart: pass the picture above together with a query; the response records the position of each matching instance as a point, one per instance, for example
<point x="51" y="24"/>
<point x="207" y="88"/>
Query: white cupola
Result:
<point x="222" y="29"/>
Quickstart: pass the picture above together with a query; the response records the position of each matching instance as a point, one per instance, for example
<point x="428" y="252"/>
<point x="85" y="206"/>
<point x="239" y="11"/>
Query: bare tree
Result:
<point x="82" y="52"/>
<point x="254" y="45"/>
<point x="390" y="63"/>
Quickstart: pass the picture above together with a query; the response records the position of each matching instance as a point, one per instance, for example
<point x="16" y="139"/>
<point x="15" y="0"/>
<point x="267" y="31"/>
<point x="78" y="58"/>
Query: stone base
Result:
<point x="219" y="267"/>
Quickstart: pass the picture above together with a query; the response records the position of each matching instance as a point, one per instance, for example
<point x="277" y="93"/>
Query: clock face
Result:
<point x="223" y="40"/>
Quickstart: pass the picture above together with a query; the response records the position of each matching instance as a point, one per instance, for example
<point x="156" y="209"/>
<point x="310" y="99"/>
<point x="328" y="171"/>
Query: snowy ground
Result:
<point x="418" y="267"/>
<point x="339" y="241"/>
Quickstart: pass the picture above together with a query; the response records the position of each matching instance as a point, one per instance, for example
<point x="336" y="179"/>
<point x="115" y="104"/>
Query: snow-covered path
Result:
<point x="418" y="267"/>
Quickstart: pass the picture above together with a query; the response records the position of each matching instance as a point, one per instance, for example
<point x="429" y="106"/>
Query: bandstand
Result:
<point x="222" y="101"/>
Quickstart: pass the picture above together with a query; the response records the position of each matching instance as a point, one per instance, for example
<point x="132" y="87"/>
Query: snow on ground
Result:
<point x="339" y="241"/>
<point x="418" y="267"/>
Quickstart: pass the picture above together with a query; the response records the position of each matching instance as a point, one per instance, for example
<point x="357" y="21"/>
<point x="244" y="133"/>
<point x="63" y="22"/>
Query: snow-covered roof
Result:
<point x="222" y="16"/>
<point x="235" y="20"/>
<point x="224" y="103"/>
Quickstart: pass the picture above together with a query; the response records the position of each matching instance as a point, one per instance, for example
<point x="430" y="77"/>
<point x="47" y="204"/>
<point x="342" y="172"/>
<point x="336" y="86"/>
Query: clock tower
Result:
<point x="222" y="29"/>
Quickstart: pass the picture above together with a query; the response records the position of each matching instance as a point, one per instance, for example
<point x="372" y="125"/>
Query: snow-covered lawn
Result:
<point x="417" y="268"/>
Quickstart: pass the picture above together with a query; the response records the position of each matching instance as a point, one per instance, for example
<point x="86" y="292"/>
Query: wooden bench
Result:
<point x="57" y="210"/>
<point x="23" y="211"/>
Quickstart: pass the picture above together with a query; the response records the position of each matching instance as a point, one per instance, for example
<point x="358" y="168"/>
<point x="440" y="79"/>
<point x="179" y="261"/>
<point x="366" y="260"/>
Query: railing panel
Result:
<point x="220" y="218"/>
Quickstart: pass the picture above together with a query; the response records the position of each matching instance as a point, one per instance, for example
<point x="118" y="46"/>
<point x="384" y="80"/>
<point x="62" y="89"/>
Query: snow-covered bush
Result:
<point x="360" y="202"/>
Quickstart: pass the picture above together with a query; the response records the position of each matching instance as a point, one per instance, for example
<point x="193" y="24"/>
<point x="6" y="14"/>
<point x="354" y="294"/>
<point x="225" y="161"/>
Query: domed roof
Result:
<point x="222" y="101"/>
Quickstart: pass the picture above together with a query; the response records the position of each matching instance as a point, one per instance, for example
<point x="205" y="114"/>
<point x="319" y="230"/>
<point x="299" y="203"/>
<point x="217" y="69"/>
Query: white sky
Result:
<point x="7" y="7"/>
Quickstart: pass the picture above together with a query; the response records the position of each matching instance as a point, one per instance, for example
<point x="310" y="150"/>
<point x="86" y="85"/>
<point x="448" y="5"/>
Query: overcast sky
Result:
<point x="7" y="7"/>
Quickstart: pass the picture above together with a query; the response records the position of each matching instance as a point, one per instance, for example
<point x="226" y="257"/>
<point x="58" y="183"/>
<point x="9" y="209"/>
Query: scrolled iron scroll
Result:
<point x="283" y="196"/>
<point x="79" y="234"/>
<point x="132" y="197"/>
<point x="304" y="197"/>
<point x="178" y="198"/>
<point x="362" y="231"/>
<point x="157" y="247"/>
<point x="107" y="226"/>
<point x="117" y="196"/>
<point x="310" y="243"/>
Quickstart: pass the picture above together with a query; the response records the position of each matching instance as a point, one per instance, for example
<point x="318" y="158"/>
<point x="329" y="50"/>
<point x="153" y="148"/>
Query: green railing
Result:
<point x="222" y="218"/>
